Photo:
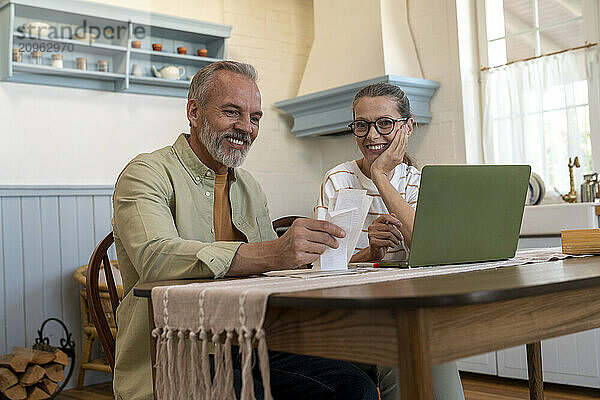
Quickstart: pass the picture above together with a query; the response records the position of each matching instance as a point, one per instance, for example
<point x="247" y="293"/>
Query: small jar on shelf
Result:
<point x="36" y="57"/>
<point x="81" y="63"/>
<point x="17" y="55"/>
<point x="103" y="65"/>
<point x="57" y="60"/>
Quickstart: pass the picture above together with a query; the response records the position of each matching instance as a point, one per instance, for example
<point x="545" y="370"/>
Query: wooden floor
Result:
<point x="476" y="387"/>
<point x="101" y="391"/>
<point x="484" y="387"/>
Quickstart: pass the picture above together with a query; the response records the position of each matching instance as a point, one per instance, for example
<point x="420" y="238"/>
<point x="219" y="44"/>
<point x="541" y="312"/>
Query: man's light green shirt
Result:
<point x="163" y="229"/>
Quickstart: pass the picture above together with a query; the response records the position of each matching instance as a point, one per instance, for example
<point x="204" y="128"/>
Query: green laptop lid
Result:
<point x="468" y="213"/>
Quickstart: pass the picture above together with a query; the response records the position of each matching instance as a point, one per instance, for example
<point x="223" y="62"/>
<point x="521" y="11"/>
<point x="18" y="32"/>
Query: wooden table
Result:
<point x="415" y="323"/>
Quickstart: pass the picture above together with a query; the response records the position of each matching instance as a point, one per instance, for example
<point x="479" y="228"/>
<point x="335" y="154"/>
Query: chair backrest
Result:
<point x="281" y="225"/>
<point x="99" y="260"/>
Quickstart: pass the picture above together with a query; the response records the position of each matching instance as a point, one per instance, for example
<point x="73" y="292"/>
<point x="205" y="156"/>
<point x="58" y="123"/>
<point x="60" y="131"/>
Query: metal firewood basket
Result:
<point x="67" y="345"/>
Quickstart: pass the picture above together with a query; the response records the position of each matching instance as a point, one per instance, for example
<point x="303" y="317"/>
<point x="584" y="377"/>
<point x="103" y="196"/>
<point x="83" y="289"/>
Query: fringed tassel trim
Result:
<point x="160" y="363"/>
<point x="162" y="373"/>
<point x="182" y="371"/>
<point x="247" y="351"/>
<point x="172" y="365"/>
<point x="228" y="389"/>
<point x="205" y="362"/>
<point x="195" y="368"/>
<point x="218" y="381"/>
<point x="263" y="359"/>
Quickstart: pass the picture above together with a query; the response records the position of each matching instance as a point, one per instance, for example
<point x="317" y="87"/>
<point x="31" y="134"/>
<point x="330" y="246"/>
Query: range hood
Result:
<point x="356" y="43"/>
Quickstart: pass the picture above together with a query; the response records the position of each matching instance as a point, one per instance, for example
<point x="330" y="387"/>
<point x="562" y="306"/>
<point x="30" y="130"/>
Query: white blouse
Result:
<point x="348" y="175"/>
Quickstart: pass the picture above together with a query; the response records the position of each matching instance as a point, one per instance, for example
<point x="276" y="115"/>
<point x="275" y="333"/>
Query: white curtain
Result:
<point x="536" y="112"/>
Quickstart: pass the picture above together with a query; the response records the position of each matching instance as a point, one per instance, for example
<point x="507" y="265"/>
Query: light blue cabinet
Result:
<point x="570" y="360"/>
<point x="481" y="363"/>
<point x="114" y="30"/>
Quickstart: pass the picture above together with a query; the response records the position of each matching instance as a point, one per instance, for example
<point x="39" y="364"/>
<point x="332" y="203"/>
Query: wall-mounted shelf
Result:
<point x="152" y="85"/>
<point x="76" y="73"/>
<point x="78" y="44"/>
<point x="172" y="56"/>
<point x="330" y="111"/>
<point x="117" y="28"/>
<point x="146" y="80"/>
<point x="67" y="77"/>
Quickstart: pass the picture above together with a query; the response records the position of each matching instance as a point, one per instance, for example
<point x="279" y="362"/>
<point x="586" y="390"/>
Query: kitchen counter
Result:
<point x="550" y="219"/>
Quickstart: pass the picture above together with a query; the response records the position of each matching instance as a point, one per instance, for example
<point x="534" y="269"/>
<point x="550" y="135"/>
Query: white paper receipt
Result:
<point x="348" y="210"/>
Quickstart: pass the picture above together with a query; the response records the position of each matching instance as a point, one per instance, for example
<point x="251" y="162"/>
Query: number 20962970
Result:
<point x="46" y="47"/>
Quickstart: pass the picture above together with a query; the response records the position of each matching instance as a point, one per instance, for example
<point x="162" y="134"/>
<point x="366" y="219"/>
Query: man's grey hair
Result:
<point x="203" y="80"/>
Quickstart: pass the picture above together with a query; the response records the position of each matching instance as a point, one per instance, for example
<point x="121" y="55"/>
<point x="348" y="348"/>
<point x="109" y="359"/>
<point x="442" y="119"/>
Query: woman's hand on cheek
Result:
<point x="393" y="155"/>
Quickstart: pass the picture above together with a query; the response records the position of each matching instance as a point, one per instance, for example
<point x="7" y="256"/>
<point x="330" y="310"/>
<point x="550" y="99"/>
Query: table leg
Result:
<point x="534" y="367"/>
<point x="414" y="363"/>
<point x="152" y="343"/>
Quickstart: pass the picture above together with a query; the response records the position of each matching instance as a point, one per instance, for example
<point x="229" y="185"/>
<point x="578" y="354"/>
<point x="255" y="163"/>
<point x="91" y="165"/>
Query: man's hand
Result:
<point x="302" y="244"/>
<point x="383" y="233"/>
<point x="305" y="241"/>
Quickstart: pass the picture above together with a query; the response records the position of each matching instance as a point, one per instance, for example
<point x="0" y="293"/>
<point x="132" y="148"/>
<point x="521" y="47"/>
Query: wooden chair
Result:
<point x="90" y="333"/>
<point x="98" y="261"/>
<point x="94" y="295"/>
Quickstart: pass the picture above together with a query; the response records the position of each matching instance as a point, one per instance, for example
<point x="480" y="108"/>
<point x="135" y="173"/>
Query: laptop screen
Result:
<point x="468" y="213"/>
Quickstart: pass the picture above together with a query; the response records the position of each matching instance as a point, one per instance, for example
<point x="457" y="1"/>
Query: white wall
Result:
<point x="436" y="36"/>
<point x="348" y="45"/>
<point x="469" y="70"/>
<point x="61" y="136"/>
<point x="354" y="43"/>
<point x="435" y="28"/>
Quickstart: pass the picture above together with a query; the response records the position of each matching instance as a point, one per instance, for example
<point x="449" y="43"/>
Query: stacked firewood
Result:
<point x="27" y="374"/>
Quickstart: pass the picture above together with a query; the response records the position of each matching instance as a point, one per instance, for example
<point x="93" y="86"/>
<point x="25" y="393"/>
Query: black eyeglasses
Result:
<point x="383" y="126"/>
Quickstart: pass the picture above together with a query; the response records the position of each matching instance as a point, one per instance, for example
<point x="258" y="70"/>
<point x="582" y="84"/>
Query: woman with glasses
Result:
<point x="382" y="125"/>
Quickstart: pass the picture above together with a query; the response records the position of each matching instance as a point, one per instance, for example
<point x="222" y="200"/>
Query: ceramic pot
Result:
<point x="37" y="29"/>
<point x="169" y="72"/>
<point x="136" y="70"/>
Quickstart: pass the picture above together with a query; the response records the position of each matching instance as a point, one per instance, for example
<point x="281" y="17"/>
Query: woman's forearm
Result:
<point x="396" y="205"/>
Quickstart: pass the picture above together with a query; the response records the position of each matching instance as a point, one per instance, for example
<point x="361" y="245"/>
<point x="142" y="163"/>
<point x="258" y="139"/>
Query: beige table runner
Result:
<point x="213" y="312"/>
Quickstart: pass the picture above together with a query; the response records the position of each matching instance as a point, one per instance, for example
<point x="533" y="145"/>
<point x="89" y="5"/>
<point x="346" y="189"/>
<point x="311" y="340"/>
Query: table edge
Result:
<point x="479" y="297"/>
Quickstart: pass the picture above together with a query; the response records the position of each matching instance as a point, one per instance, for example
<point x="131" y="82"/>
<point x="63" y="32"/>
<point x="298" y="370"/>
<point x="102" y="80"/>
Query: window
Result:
<point x="519" y="29"/>
<point x="537" y="111"/>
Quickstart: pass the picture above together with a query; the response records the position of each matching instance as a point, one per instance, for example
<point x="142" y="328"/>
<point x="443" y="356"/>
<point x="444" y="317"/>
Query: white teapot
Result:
<point x="169" y="72"/>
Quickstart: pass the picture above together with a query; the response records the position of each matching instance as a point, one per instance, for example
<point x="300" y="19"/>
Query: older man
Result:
<point x="187" y="211"/>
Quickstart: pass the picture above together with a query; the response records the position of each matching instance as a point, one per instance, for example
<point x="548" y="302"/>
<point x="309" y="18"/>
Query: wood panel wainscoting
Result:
<point x="46" y="233"/>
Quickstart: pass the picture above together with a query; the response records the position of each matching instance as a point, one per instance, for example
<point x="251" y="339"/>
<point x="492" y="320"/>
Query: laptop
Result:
<point x="468" y="213"/>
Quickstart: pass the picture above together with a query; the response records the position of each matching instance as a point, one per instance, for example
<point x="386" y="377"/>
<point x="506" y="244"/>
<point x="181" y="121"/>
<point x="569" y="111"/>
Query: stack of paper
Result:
<point x="348" y="210"/>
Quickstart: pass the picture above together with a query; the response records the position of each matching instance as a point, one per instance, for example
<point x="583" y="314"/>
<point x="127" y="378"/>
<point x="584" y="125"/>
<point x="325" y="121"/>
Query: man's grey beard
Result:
<point x="213" y="141"/>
